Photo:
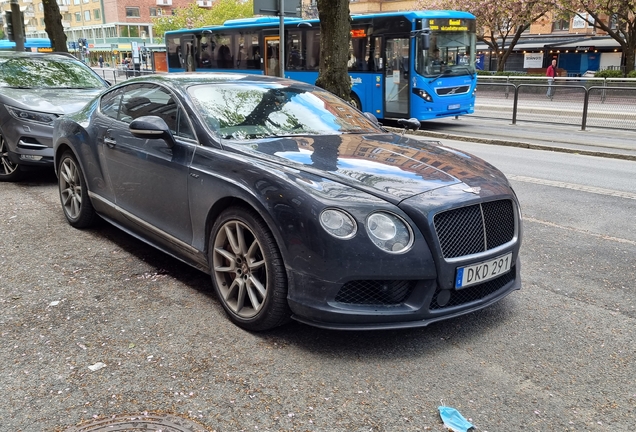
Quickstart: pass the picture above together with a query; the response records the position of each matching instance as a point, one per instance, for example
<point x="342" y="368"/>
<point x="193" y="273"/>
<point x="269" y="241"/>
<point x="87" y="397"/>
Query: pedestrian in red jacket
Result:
<point x="551" y="72"/>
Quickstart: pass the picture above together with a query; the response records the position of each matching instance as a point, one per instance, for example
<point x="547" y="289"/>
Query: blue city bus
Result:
<point x="402" y="64"/>
<point x="31" y="44"/>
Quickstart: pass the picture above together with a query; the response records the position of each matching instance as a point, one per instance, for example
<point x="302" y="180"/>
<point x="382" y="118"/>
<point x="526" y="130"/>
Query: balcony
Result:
<point x="63" y="8"/>
<point x="204" y="3"/>
<point x="66" y="24"/>
<point x="28" y="14"/>
<point x="164" y="2"/>
<point x="31" y="29"/>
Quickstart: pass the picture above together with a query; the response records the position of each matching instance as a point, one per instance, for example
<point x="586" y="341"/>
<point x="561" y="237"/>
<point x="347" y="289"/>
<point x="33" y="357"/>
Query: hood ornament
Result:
<point x="474" y="190"/>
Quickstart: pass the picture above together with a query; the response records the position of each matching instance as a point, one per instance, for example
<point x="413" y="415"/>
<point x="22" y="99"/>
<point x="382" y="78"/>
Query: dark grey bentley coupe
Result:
<point x="297" y="205"/>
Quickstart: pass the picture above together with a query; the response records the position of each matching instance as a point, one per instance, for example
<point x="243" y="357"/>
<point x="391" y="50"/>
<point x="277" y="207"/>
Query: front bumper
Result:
<point x="320" y="304"/>
<point x="29" y="143"/>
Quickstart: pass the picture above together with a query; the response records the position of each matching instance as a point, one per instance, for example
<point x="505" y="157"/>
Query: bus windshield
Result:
<point x="448" y="54"/>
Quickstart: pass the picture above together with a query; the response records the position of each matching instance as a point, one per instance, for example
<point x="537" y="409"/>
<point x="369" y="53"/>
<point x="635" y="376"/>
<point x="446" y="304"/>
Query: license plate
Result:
<point x="454" y="106"/>
<point x="482" y="272"/>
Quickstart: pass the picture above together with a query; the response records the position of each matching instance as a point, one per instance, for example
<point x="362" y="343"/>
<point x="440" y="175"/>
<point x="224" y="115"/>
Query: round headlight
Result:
<point x="389" y="232"/>
<point x="338" y="223"/>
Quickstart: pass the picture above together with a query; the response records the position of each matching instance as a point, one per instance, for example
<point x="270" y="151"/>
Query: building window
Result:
<point x="78" y="17"/>
<point x="561" y="25"/>
<point x="97" y="14"/>
<point x="155" y="11"/>
<point x="67" y="17"/>
<point x="86" y="1"/>
<point x="76" y="2"/>
<point x="42" y="23"/>
<point x="614" y="22"/>
<point x="41" y="7"/>
<point x="87" y="15"/>
<point x="132" y="12"/>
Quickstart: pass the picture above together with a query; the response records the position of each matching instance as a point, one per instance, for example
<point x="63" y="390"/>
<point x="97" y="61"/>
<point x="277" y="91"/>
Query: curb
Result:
<point x="519" y="144"/>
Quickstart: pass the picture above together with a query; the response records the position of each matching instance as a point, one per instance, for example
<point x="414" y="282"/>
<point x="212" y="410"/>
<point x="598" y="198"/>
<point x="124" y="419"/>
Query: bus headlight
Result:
<point x="423" y="94"/>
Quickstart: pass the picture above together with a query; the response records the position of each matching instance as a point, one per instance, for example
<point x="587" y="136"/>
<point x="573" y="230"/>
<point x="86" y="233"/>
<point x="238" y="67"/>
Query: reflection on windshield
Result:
<point x="252" y="110"/>
<point x="449" y="54"/>
<point x="46" y="73"/>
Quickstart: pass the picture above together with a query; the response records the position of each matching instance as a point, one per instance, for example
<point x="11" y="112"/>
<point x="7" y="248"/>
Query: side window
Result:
<point x="151" y="100"/>
<point x="184" y="128"/>
<point x="109" y="104"/>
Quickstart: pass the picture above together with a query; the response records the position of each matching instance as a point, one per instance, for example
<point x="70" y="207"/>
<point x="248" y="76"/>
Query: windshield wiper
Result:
<point x="446" y="72"/>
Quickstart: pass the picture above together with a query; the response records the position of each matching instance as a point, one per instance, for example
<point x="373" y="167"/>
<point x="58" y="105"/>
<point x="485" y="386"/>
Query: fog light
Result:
<point x="31" y="157"/>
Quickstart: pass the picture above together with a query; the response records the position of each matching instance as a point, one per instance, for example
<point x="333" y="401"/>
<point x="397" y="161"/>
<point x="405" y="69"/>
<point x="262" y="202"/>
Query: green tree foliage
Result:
<point x="615" y="17"/>
<point x="193" y="16"/>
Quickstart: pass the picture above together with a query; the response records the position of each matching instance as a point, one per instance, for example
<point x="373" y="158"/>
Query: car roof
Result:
<point x="187" y="79"/>
<point x="28" y="54"/>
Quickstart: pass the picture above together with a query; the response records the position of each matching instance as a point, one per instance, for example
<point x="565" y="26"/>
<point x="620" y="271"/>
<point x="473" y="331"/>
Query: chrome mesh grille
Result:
<point x="477" y="228"/>
<point x="452" y="90"/>
<point x="375" y="292"/>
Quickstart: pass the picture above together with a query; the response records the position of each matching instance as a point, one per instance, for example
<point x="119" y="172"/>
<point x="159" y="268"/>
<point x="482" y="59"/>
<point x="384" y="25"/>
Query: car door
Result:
<point x="148" y="177"/>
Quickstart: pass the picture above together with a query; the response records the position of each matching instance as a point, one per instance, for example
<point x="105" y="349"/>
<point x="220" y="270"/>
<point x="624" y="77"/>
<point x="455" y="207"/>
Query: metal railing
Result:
<point x="599" y="102"/>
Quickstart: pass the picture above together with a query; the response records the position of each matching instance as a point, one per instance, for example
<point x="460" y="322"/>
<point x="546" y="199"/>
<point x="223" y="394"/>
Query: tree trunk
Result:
<point x="53" y="25"/>
<point x="630" y="52"/>
<point x="335" y="33"/>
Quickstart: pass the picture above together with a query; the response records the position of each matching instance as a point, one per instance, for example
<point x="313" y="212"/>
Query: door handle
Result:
<point x="110" y="142"/>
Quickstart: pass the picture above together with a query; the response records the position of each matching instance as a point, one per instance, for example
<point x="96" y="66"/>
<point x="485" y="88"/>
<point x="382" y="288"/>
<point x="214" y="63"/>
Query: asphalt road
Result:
<point x="556" y="356"/>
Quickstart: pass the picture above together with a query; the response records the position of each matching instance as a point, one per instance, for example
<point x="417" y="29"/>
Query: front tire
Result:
<point x="9" y="171"/>
<point x="355" y="102"/>
<point x="76" y="204"/>
<point x="247" y="270"/>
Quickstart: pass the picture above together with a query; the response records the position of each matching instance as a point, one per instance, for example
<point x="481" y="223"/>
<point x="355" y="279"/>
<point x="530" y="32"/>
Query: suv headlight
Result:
<point x="34" y="116"/>
<point x="389" y="232"/>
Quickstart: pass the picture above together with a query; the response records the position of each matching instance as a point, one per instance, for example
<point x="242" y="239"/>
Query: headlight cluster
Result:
<point x="33" y="116"/>
<point x="423" y="94"/>
<point x="386" y="230"/>
<point x="389" y="232"/>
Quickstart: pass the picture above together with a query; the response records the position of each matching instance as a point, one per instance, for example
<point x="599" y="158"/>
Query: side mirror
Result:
<point x="151" y="127"/>
<point x="425" y="36"/>
<point x="410" y="124"/>
<point x="371" y="117"/>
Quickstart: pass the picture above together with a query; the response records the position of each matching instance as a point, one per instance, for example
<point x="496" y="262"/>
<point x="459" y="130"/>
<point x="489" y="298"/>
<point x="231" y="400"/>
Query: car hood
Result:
<point x="50" y="100"/>
<point x="387" y="165"/>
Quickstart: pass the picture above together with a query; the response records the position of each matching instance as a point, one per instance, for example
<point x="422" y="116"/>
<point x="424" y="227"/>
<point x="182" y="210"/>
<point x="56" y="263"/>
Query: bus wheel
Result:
<point x="355" y="102"/>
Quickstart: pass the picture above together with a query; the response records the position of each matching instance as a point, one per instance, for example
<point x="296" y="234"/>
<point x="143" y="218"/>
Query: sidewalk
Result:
<point x="614" y="143"/>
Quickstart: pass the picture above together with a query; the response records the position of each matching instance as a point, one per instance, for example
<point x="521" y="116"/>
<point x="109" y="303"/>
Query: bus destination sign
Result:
<point x="449" y="24"/>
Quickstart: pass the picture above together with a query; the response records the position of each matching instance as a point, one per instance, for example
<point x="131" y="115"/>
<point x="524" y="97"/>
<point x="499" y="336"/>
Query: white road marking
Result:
<point x="573" y="186"/>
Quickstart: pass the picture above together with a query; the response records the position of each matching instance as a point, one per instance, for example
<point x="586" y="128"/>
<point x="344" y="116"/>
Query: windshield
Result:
<point x="254" y="110"/>
<point x="42" y="72"/>
<point x="449" y="54"/>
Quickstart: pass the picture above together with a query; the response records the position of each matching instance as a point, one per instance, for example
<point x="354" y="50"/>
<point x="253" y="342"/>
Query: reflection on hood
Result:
<point x="387" y="164"/>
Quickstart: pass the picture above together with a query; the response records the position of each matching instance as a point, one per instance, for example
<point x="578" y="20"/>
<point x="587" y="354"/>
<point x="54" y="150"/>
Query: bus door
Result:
<point x="271" y="55"/>
<point x="396" y="77"/>
<point x="188" y="52"/>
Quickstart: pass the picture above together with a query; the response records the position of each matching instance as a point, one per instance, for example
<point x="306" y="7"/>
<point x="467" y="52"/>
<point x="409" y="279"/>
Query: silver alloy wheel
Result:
<point x="240" y="269"/>
<point x="70" y="188"/>
<point x="6" y="166"/>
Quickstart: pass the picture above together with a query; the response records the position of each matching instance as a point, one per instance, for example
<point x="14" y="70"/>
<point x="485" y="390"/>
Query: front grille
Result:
<point x="374" y="292"/>
<point x="474" y="292"/>
<point x="446" y="91"/>
<point x="476" y="228"/>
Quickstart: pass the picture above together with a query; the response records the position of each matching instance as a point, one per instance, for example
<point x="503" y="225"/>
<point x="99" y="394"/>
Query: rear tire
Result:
<point x="76" y="204"/>
<point x="9" y="171"/>
<point x="247" y="270"/>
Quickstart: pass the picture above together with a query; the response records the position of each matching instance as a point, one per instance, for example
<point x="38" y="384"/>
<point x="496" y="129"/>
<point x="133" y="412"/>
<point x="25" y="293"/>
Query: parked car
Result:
<point x="35" y="89"/>
<point x="297" y="204"/>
